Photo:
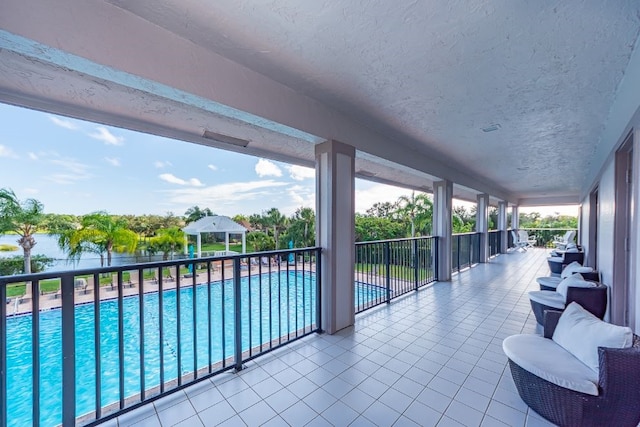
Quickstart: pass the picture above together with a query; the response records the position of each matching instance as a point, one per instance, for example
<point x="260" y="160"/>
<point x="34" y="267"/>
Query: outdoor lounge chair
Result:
<point x="550" y="283"/>
<point x="590" y="295"/>
<point x="519" y="244"/>
<point x="558" y="263"/>
<point x="552" y="377"/>
<point x="565" y="240"/>
<point x="523" y="236"/>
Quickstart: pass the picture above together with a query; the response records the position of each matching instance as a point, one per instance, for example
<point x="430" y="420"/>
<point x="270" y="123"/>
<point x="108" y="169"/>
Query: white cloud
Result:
<point x="266" y="168"/>
<point x="71" y="170"/>
<point x="223" y="194"/>
<point x="113" y="161"/>
<point x="67" y="124"/>
<point x="301" y="196"/>
<point x="7" y="152"/>
<point x="160" y="164"/>
<point x="172" y="179"/>
<point x="377" y="193"/>
<point x="32" y="155"/>
<point x="300" y="173"/>
<point x="107" y="137"/>
<point x="212" y="167"/>
<point x="30" y="191"/>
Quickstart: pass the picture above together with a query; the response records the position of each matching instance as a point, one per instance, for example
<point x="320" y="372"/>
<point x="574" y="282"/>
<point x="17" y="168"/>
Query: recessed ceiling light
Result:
<point x="218" y="137"/>
<point x="492" y="127"/>
<point x="524" y="168"/>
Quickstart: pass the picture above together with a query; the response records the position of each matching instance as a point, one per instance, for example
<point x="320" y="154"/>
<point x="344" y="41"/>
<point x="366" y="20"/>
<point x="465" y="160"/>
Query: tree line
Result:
<point x="102" y="234"/>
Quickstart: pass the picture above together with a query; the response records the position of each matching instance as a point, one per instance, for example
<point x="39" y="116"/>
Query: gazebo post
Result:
<point x="244" y="242"/>
<point x="199" y="244"/>
<point x="186" y="244"/>
<point x="226" y="241"/>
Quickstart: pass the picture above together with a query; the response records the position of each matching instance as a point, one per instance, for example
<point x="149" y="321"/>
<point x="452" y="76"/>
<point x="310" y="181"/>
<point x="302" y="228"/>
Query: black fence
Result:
<point x="80" y="347"/>
<point x="465" y="250"/>
<point x="390" y="268"/>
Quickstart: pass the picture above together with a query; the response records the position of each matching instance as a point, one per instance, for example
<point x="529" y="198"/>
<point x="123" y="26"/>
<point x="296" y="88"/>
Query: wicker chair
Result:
<point x="618" y="399"/>
<point x="557" y="263"/>
<point x="592" y="299"/>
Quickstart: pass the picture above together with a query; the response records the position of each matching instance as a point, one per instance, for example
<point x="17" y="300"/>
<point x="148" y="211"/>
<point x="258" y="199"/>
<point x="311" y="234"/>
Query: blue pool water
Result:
<point x="283" y="303"/>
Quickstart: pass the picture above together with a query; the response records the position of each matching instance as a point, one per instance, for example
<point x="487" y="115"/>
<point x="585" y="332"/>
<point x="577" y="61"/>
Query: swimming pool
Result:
<point x="272" y="305"/>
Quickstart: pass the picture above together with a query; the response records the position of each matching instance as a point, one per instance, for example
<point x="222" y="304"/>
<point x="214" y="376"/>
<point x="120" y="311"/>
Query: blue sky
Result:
<point x="78" y="167"/>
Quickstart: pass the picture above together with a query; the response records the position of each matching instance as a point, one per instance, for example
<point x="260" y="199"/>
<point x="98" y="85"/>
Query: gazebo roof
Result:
<point x="214" y="224"/>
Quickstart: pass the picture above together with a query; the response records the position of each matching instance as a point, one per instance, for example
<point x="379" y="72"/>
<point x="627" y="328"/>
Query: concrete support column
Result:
<point x="482" y="225"/>
<point x="502" y="226"/>
<point x="335" y="232"/>
<point x="515" y="219"/>
<point x="442" y="227"/>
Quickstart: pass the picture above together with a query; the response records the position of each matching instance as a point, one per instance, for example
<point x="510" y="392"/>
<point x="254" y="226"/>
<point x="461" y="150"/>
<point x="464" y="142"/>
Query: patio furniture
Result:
<point x="523" y="236"/>
<point x="518" y="243"/>
<point x="590" y="295"/>
<point x="550" y="283"/>
<point x="557" y="263"/>
<point x="565" y="240"/>
<point x="582" y="372"/>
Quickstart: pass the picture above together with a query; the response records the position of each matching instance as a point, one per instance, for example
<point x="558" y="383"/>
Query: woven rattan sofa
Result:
<point x="612" y="393"/>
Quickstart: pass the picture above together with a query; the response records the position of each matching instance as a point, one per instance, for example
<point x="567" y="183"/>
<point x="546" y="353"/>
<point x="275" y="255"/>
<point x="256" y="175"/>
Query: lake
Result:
<point x="48" y="245"/>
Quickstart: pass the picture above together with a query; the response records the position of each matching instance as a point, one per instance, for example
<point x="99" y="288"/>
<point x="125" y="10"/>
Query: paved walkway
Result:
<point x="431" y="358"/>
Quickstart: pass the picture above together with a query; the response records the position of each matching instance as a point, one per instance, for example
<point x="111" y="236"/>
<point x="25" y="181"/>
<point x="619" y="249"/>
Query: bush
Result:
<point x="15" y="264"/>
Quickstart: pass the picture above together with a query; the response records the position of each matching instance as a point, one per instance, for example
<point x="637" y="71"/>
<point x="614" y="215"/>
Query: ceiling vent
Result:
<point x="366" y="173"/>
<point x="225" y="139"/>
<point x="492" y="127"/>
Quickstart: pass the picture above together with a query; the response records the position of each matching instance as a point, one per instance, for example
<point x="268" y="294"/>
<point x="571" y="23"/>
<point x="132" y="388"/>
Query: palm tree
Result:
<point x="167" y="240"/>
<point x="194" y="213"/>
<point x="99" y="233"/>
<point x="22" y="218"/>
<point x="277" y="221"/>
<point x="419" y="210"/>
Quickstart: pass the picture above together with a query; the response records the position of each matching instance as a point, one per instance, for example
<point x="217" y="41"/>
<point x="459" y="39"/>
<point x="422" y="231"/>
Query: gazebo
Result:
<point x="215" y="224"/>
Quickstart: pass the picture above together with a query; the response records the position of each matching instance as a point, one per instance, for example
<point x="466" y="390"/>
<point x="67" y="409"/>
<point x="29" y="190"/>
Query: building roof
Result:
<point x="214" y="224"/>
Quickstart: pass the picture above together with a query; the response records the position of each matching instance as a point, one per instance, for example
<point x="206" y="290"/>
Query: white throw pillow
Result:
<point x="574" y="267"/>
<point x="574" y="281"/>
<point x="581" y="333"/>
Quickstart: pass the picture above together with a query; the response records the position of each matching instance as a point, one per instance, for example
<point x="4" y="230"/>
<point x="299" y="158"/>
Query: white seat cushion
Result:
<point x="574" y="281"/>
<point x="575" y="267"/>
<point x="549" y="281"/>
<point x="581" y="333"/>
<point x="549" y="361"/>
<point x="548" y="298"/>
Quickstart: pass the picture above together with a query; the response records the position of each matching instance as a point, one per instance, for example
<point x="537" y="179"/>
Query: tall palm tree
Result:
<point x="99" y="233"/>
<point x="418" y="208"/>
<point x="277" y="221"/>
<point x="22" y="218"/>
<point x="167" y="240"/>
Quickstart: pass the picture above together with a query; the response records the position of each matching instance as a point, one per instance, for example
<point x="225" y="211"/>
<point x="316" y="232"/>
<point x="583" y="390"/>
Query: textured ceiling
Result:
<point x="432" y="74"/>
<point x="427" y="75"/>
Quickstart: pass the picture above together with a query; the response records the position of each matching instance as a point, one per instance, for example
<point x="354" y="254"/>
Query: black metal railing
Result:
<point x="465" y="250"/>
<point x="85" y="346"/>
<point x="494" y="237"/>
<point x="388" y="269"/>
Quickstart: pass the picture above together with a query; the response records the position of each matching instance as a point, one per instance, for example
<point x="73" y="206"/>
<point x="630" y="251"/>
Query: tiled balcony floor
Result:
<point x="432" y="358"/>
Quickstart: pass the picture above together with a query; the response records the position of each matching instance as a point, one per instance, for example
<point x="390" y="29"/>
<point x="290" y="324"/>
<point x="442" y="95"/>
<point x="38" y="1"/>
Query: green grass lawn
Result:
<point x="219" y="246"/>
<point x="396" y="271"/>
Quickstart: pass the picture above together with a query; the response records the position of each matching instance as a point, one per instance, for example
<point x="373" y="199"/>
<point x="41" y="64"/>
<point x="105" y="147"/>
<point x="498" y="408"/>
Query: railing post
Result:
<point x="238" y="317"/>
<point x="387" y="266"/>
<point x="435" y="257"/>
<point x="415" y="262"/>
<point x="3" y="356"/>
<point x="318" y="288"/>
<point x="68" y="351"/>
<point x="459" y="239"/>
